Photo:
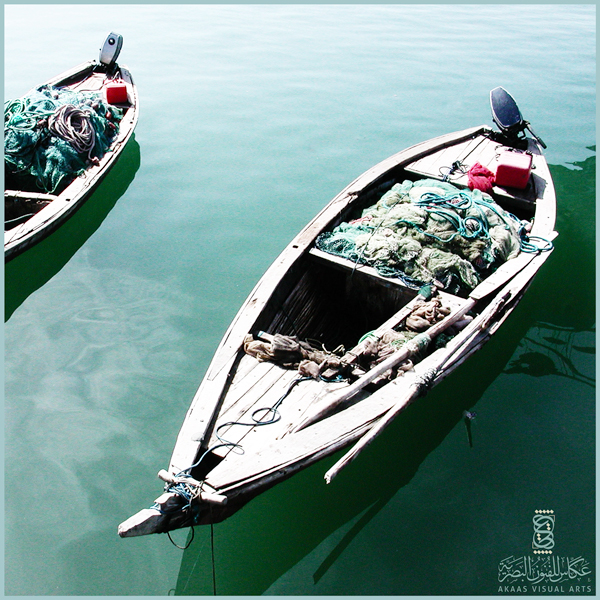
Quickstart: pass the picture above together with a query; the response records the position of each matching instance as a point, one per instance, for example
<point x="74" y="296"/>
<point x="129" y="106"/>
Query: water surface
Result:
<point x="252" y="118"/>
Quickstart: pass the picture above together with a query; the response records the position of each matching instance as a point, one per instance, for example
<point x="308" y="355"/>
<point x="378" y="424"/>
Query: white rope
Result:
<point x="75" y="127"/>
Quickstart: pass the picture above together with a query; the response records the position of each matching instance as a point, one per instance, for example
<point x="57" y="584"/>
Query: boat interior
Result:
<point x="332" y="303"/>
<point x="335" y="301"/>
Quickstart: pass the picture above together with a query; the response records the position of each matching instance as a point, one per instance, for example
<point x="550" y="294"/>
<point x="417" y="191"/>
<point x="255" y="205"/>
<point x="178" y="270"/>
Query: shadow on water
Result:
<point x="570" y="293"/>
<point x="29" y="271"/>
<point x="563" y="339"/>
<point x="255" y="547"/>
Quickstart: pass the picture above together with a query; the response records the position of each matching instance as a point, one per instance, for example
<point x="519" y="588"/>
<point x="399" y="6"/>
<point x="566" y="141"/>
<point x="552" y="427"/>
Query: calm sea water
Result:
<point x="252" y="118"/>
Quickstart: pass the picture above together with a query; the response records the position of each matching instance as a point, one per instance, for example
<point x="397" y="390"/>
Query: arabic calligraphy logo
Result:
<point x="544" y="574"/>
<point x="543" y="531"/>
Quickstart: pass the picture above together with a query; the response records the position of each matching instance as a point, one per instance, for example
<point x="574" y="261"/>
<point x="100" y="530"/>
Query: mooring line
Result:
<point x="212" y="552"/>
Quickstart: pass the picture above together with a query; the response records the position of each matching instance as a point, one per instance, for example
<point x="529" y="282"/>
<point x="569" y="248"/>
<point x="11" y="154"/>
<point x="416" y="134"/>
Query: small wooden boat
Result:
<point x="61" y="140"/>
<point x="351" y="324"/>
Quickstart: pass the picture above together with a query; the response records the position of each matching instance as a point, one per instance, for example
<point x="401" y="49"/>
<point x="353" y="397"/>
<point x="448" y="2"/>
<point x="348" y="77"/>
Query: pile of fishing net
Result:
<point x="429" y="230"/>
<point x="54" y="134"/>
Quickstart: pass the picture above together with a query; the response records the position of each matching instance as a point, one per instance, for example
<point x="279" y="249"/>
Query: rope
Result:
<point x="26" y="114"/>
<point x="459" y="165"/>
<point x="472" y="227"/>
<point x="527" y="245"/>
<point x="212" y="555"/>
<point x="426" y="380"/>
<point x="182" y="547"/>
<point x="256" y="421"/>
<point x="21" y="218"/>
<point x="469" y="227"/>
<point x="50" y="142"/>
<point x="190" y="490"/>
<point x="74" y="125"/>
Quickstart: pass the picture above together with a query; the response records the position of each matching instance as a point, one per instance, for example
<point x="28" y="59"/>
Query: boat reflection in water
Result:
<point x="29" y="271"/>
<point x="298" y="530"/>
<point x="552" y="350"/>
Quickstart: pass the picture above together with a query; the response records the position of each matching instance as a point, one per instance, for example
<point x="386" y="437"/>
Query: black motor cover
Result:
<point x="508" y="118"/>
<point x="505" y="112"/>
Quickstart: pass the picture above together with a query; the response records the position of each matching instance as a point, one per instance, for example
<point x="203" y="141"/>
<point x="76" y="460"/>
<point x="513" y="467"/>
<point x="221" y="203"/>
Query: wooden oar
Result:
<point x="480" y="323"/>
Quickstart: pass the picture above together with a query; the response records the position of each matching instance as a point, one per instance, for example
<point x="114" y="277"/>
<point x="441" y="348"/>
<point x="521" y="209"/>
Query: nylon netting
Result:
<point x="55" y="155"/>
<point x="429" y="230"/>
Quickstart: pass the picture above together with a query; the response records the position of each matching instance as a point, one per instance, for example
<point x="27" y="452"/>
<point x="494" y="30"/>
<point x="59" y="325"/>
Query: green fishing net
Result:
<point x="53" y="159"/>
<point x="429" y="230"/>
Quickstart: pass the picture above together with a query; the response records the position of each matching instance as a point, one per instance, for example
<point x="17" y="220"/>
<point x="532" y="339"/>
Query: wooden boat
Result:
<point x="257" y="419"/>
<point x="102" y="113"/>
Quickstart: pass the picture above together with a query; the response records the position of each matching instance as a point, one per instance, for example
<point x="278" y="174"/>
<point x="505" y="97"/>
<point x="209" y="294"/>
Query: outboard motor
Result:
<point x="110" y="50"/>
<point x="508" y="118"/>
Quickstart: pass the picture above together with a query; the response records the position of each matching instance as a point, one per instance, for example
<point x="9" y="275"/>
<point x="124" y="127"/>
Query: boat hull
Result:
<point x="309" y="294"/>
<point x="60" y="207"/>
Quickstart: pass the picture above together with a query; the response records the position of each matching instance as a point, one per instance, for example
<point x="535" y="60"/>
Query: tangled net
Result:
<point x="319" y="363"/>
<point x="53" y="134"/>
<point x="429" y="230"/>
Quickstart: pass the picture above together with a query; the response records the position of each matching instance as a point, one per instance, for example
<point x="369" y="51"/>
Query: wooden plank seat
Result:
<point x="345" y="264"/>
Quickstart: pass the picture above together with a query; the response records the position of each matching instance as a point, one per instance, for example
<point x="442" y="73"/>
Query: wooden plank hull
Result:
<point x="57" y="208"/>
<point x="231" y="456"/>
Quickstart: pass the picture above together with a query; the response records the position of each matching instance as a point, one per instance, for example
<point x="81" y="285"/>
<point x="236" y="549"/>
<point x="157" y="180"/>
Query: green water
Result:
<point x="252" y="118"/>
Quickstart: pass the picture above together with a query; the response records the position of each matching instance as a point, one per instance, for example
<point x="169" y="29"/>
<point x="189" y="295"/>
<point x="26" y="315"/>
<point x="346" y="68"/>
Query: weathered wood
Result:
<point x="29" y="195"/>
<point x="263" y="374"/>
<point x="326" y="436"/>
<point x="516" y="285"/>
<point x="330" y="401"/>
<point x="293" y="290"/>
<point x="194" y="429"/>
<point x="484" y="151"/>
<point x="208" y="497"/>
<point x="265" y="398"/>
<point x="345" y="264"/>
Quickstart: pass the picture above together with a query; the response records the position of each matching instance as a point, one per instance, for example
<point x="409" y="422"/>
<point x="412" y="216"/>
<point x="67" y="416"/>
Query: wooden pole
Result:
<point x="480" y="323"/>
<point x="411" y="347"/>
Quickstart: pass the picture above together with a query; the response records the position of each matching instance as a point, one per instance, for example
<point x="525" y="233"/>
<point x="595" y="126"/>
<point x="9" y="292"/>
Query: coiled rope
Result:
<point x="52" y="134"/>
<point x="446" y="207"/>
<point x="74" y="125"/>
<point x="527" y="244"/>
<point x="259" y="420"/>
<point x="471" y="226"/>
